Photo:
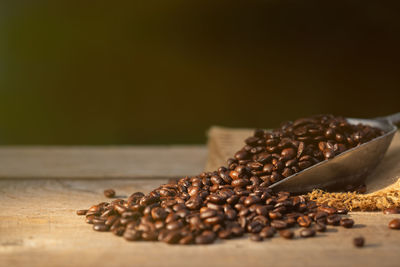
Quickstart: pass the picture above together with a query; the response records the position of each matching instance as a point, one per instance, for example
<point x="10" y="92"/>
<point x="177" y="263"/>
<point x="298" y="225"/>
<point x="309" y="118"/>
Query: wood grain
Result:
<point x="39" y="227"/>
<point x="101" y="162"/>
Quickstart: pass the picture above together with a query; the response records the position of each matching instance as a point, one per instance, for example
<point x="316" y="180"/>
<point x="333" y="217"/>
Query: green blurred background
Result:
<point x="164" y="71"/>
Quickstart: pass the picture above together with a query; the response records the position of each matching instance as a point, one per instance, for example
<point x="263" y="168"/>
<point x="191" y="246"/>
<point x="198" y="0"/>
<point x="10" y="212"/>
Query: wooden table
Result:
<point x="41" y="188"/>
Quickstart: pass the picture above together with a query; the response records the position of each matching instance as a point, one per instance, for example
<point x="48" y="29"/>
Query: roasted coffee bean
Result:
<point x="346" y="223"/>
<point x="320" y="227"/>
<point x="174" y="225"/>
<point x="267" y="232"/>
<point x="341" y="211"/>
<point x="100" y="227"/>
<point x="307" y="232"/>
<point x="288" y="153"/>
<point x="391" y="211"/>
<point x="158" y="213"/>
<point x="109" y="193"/>
<point x="81" y="212"/>
<point x="359" y="242"/>
<point x="304" y="221"/>
<point x="333" y="219"/>
<point x="132" y="235"/>
<point x="250" y="200"/>
<point x="279" y="224"/>
<point x="394" y="224"/>
<point x="274" y="215"/>
<point x="172" y="237"/>
<point x="288" y="234"/>
<point x="256" y="238"/>
<point x="206" y="237"/>
<point x="225" y="233"/>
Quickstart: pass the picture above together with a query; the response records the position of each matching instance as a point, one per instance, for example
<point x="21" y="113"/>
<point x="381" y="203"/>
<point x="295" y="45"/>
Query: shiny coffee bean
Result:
<point x="347" y="223"/>
<point x="307" y="232"/>
<point x="394" y="224"/>
<point x="288" y="234"/>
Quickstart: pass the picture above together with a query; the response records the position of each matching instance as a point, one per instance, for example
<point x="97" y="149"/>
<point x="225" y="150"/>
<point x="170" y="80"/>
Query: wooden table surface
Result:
<point x="41" y="188"/>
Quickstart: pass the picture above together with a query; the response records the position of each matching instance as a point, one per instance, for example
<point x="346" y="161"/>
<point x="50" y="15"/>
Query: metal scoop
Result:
<point x="348" y="168"/>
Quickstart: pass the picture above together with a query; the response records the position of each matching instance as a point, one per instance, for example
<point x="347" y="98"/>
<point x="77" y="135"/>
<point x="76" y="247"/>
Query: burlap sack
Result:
<point x="383" y="185"/>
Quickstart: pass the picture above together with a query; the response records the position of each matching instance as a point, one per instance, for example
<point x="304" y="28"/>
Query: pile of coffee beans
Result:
<point x="235" y="199"/>
<point x="195" y="211"/>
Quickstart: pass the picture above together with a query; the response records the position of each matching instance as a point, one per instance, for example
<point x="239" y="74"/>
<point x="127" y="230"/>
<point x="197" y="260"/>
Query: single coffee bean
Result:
<point x="250" y="200"/>
<point x="172" y="237"/>
<point x="333" y="219"/>
<point x="267" y="232"/>
<point x="81" y="212"/>
<point x="359" y="241"/>
<point x="320" y="227"/>
<point x="256" y="238"/>
<point x="288" y="153"/>
<point x="304" y="221"/>
<point x="307" y="232"/>
<point x="346" y="223"/>
<point x="391" y="211"/>
<point x="132" y="235"/>
<point x="342" y="211"/>
<point x="279" y="224"/>
<point x="288" y="234"/>
<point x="394" y="224"/>
<point x="109" y="193"/>
<point x="206" y="237"/>
<point x="158" y="213"/>
<point x="186" y="240"/>
<point x="100" y="227"/>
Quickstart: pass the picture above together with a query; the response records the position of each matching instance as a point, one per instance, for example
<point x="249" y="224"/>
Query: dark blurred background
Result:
<point x="164" y="71"/>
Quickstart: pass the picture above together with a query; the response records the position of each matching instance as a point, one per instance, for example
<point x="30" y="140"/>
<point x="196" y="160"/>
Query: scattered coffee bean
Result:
<point x="110" y="193"/>
<point x="256" y="238"/>
<point x="320" y="227"/>
<point x="81" y="212"/>
<point x="288" y="234"/>
<point x="359" y="241"/>
<point x="307" y="232"/>
<point x="346" y="223"/>
<point x="391" y="211"/>
<point x="394" y="224"/>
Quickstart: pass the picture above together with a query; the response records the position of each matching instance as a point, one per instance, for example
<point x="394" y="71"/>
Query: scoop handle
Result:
<point x="394" y="118"/>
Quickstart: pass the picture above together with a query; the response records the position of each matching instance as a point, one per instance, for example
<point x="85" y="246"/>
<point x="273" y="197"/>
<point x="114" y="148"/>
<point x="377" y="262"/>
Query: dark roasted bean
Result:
<point x="267" y="232"/>
<point x="172" y="237"/>
<point x="206" y="237"/>
<point x="359" y="241"/>
<point x="346" y="223"/>
<point x="132" y="235"/>
<point x="109" y="193"/>
<point x="333" y="219"/>
<point x="307" y="232"/>
<point x="279" y="224"/>
<point x="288" y="234"/>
<point x="256" y="238"/>
<point x="320" y="227"/>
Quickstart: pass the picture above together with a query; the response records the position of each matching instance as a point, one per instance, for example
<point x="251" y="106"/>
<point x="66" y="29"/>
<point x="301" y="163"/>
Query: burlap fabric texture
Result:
<point x="383" y="185"/>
